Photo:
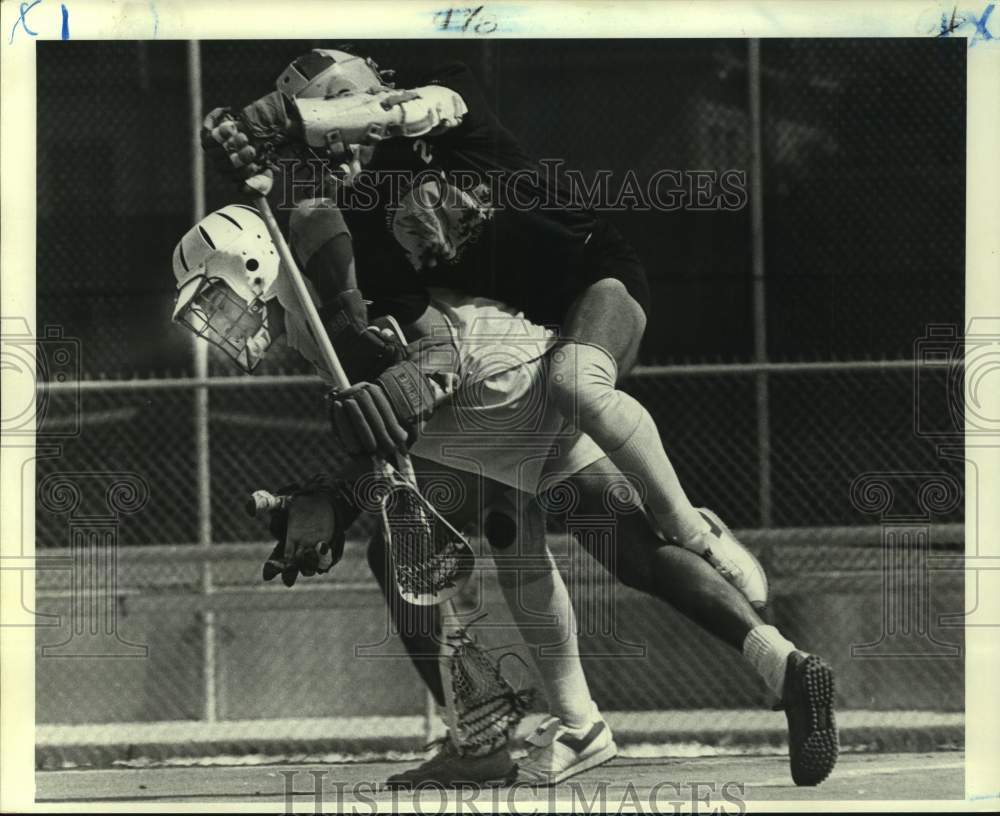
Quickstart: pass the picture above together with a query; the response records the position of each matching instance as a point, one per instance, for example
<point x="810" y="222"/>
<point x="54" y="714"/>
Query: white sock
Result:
<point x="767" y="650"/>
<point x="554" y="647"/>
<point x="534" y="591"/>
<point x="593" y="715"/>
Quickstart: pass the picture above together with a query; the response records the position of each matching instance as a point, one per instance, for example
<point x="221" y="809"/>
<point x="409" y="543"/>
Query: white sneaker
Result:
<point x="556" y="752"/>
<point x="732" y="560"/>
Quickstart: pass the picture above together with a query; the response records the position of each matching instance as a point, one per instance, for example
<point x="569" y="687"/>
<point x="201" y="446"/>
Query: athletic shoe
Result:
<point x="731" y="559"/>
<point x="556" y="752"/>
<point x="450" y="769"/>
<point x="813" y="743"/>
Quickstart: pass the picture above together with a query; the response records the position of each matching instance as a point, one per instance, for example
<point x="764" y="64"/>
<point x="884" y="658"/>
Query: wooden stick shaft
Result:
<point x="315" y="322"/>
<point x="326" y="348"/>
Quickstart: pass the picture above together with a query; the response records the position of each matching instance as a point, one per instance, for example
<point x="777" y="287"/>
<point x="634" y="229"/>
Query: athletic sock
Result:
<point x="767" y="650"/>
<point x="554" y="647"/>
<point x="628" y="435"/>
<point x="540" y="605"/>
<point x="593" y="715"/>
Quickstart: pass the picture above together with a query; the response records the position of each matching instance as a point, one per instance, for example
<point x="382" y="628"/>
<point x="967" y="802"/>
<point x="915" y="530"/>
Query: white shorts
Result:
<point x="507" y="428"/>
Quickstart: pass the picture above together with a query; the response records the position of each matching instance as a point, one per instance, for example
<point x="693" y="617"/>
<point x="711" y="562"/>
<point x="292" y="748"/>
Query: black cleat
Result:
<point x="450" y="769"/>
<point x="813" y="744"/>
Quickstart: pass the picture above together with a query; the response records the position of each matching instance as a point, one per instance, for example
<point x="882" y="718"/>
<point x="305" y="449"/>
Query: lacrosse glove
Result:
<point x="380" y="418"/>
<point x="241" y="145"/>
<point x="310" y="523"/>
<point x="363" y="353"/>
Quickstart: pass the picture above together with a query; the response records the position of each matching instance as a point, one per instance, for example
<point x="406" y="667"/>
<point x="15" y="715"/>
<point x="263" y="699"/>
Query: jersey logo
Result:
<point x="436" y="221"/>
<point x="423" y="149"/>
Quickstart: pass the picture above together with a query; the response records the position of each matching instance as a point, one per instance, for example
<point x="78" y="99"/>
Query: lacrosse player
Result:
<point x="444" y="196"/>
<point x="229" y="292"/>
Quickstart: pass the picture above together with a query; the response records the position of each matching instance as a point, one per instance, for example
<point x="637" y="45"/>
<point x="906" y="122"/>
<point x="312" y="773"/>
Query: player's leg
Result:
<point x="603" y="329"/>
<point x="419" y="627"/>
<point x="637" y="557"/>
<point x="575" y="737"/>
<point x="425" y="631"/>
<point x="641" y="560"/>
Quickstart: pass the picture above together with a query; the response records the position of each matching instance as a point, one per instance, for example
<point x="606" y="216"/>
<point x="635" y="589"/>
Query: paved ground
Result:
<point x="642" y="781"/>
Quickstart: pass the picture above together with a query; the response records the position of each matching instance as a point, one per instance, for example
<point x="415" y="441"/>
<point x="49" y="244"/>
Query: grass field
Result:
<point x="653" y="780"/>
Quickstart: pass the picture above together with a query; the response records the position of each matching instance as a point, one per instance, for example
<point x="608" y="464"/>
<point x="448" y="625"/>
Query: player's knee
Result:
<point x="501" y="533"/>
<point x="582" y="383"/>
<point x="519" y="555"/>
<point x="562" y="380"/>
<point x="500" y="530"/>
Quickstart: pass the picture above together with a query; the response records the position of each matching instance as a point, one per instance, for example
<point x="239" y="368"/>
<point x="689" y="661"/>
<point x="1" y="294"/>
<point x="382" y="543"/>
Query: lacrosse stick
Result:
<point x="481" y="706"/>
<point x="431" y="559"/>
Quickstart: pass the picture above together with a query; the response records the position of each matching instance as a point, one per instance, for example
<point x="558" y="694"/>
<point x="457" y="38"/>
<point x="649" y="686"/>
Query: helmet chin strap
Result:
<point x="256" y="346"/>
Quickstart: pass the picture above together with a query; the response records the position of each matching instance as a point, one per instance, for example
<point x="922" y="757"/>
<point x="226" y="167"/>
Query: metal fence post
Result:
<point x="201" y="397"/>
<point x="759" y="292"/>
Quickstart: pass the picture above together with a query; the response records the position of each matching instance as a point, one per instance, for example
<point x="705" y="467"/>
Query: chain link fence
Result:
<point x="863" y="180"/>
<point x="827" y="427"/>
<point x="864" y="185"/>
<point x="332" y="641"/>
<point x="863" y="213"/>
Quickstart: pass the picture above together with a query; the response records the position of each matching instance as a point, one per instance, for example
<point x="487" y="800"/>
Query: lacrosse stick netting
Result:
<point x="483" y="707"/>
<point x="431" y="559"/>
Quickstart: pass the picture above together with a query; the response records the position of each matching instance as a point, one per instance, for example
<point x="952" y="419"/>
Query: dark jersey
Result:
<point x="469" y="210"/>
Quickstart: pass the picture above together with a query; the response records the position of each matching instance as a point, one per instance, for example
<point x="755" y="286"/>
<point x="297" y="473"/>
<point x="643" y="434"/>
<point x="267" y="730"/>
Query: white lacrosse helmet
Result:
<point x="325" y="73"/>
<point x="226" y="268"/>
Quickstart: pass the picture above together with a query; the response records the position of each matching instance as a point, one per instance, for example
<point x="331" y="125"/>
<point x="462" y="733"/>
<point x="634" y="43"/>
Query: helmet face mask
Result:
<point x="226" y="271"/>
<point x="229" y="322"/>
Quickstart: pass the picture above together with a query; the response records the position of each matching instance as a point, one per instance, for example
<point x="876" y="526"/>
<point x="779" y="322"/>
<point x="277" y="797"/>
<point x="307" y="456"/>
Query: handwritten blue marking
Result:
<point x="65" y="21"/>
<point x="980" y="24"/>
<point x="22" y="20"/>
<point x="156" y="16"/>
<point x="982" y="32"/>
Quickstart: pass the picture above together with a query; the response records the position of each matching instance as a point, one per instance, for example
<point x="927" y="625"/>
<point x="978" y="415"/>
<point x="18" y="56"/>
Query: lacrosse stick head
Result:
<point x="483" y="707"/>
<point x="431" y="559"/>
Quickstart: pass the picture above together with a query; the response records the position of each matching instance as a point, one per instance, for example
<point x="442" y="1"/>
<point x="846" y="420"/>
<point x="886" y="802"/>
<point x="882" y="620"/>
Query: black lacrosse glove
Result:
<point x="364" y="353"/>
<point x="378" y="418"/>
<point x="242" y="145"/>
<point x="310" y="526"/>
